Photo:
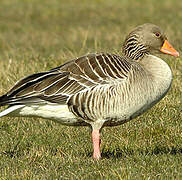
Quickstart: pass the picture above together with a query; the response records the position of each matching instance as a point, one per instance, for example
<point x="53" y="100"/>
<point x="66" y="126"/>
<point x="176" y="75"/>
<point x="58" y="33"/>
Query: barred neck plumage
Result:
<point x="133" y="49"/>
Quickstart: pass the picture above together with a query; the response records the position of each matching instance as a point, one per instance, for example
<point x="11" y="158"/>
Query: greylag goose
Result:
<point x="99" y="89"/>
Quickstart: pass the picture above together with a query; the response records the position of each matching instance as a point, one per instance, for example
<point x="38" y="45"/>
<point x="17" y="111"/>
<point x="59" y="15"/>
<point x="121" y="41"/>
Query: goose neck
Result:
<point x="133" y="49"/>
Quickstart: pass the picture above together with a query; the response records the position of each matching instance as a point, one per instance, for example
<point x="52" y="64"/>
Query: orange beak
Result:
<point x="168" y="49"/>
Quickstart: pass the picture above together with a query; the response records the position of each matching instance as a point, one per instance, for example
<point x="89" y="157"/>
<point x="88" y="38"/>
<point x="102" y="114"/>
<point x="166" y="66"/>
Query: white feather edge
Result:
<point x="10" y="109"/>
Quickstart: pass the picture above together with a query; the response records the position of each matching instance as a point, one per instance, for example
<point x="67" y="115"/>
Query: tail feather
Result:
<point x="10" y="109"/>
<point x="3" y="100"/>
<point x="6" y="100"/>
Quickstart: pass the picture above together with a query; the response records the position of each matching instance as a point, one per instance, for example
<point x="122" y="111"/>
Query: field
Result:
<point x="37" y="35"/>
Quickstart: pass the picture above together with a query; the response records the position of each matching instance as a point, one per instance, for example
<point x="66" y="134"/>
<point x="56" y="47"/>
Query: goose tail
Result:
<point x="10" y="109"/>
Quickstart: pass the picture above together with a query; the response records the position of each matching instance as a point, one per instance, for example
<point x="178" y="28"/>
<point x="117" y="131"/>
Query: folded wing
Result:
<point x="58" y="84"/>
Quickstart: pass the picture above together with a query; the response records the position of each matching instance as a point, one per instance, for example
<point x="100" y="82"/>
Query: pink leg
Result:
<point x="96" y="144"/>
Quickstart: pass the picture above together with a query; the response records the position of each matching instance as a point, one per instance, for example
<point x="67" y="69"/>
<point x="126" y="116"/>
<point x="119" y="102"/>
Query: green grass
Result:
<point x="37" y="35"/>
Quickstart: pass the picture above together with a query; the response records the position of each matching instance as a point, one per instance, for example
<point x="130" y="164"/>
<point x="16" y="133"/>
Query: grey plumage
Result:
<point x="99" y="89"/>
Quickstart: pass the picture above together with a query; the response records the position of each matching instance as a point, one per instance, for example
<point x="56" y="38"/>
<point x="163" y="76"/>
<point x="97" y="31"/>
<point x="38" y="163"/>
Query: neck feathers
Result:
<point x="133" y="49"/>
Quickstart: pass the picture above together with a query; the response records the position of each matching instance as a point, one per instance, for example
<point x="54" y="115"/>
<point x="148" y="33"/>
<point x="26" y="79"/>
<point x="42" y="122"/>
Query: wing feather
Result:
<point x="58" y="84"/>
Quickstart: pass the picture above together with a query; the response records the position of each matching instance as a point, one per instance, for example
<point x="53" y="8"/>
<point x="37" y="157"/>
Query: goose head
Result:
<point x="147" y="39"/>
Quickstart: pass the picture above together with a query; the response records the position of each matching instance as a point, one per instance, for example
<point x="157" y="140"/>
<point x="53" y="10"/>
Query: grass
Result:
<point x="38" y="35"/>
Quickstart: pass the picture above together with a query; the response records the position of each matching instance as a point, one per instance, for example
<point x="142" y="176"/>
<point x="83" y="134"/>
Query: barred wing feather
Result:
<point x="58" y="84"/>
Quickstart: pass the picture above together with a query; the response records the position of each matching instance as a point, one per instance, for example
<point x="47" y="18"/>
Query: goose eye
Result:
<point x="157" y="34"/>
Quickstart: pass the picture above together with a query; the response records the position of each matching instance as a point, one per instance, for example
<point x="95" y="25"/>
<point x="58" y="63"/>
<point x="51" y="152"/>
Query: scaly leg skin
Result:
<point x="96" y="144"/>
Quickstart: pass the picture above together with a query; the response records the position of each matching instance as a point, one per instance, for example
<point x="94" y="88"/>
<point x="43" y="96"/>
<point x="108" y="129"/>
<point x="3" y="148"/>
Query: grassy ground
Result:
<point x="36" y="35"/>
